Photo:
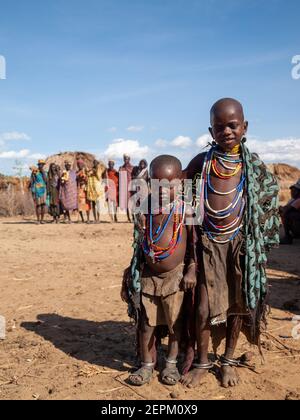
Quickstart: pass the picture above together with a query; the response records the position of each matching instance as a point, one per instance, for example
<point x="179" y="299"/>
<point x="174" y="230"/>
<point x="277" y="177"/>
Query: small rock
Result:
<point x="174" y="395"/>
<point x="247" y="357"/>
<point x="292" y="396"/>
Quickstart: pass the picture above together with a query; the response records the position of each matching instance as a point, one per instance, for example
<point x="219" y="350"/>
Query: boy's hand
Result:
<point x="190" y="279"/>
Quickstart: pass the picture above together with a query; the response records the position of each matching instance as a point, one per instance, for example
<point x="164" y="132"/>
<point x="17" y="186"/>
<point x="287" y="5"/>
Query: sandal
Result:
<point x="143" y="375"/>
<point x="170" y="375"/>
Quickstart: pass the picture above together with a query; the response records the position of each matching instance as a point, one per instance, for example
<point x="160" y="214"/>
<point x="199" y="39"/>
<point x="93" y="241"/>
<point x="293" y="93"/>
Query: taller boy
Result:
<point x="236" y="197"/>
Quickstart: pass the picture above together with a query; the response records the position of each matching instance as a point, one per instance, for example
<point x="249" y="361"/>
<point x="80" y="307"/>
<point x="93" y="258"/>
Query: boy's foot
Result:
<point x="143" y="375"/>
<point x="170" y="375"/>
<point x="229" y="376"/>
<point x="196" y="376"/>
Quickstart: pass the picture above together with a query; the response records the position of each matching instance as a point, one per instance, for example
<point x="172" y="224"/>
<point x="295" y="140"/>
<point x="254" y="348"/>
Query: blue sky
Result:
<point x="109" y="76"/>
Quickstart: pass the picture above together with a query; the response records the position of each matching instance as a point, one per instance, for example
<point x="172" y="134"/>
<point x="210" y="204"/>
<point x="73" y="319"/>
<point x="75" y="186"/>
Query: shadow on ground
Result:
<point x="108" y="343"/>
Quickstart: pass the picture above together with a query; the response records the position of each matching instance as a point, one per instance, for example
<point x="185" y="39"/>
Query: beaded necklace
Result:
<point x="150" y="246"/>
<point x="210" y="165"/>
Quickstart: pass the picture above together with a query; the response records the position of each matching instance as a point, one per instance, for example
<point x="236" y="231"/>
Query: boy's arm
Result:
<point x="190" y="277"/>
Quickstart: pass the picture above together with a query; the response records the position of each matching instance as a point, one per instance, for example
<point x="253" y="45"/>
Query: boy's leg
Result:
<point x="147" y="341"/>
<point x="195" y="377"/>
<point x="144" y="374"/>
<point x="171" y="375"/>
<point x="229" y="373"/>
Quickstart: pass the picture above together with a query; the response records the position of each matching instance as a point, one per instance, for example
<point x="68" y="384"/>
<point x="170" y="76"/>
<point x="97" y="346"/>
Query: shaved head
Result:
<point x="230" y="105"/>
<point x="228" y="125"/>
<point x="166" y="167"/>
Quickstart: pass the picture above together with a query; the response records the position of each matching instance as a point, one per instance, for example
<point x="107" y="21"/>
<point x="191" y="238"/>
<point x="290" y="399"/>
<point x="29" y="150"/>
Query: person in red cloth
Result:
<point x="112" y="190"/>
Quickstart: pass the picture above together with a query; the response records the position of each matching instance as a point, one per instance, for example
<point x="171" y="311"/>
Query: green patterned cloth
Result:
<point x="262" y="224"/>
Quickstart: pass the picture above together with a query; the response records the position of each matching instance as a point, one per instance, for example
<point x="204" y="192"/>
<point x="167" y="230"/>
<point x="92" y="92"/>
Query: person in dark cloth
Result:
<point x="162" y="269"/>
<point x="290" y="215"/>
<point x="125" y="177"/>
<point x="82" y="181"/>
<point x="53" y="192"/>
<point x="236" y="202"/>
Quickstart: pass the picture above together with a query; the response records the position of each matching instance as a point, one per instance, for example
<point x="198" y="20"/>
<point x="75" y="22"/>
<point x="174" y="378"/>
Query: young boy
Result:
<point x="162" y="268"/>
<point x="239" y="223"/>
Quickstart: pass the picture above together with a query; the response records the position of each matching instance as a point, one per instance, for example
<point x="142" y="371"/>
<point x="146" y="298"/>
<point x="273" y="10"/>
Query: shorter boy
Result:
<point x="165" y="259"/>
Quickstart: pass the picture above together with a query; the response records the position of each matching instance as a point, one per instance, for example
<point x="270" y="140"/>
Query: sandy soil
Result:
<point x="68" y="335"/>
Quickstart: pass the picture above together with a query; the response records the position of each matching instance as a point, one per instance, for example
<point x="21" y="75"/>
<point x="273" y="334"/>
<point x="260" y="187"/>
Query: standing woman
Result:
<point x="38" y="187"/>
<point x="82" y="181"/>
<point x="112" y="190"/>
<point x="95" y="190"/>
<point x="68" y="191"/>
<point x="53" y="192"/>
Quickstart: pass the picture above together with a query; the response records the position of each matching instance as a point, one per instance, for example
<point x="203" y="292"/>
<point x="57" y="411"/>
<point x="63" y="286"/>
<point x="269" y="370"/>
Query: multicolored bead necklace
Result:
<point x="150" y="246"/>
<point x="213" y="157"/>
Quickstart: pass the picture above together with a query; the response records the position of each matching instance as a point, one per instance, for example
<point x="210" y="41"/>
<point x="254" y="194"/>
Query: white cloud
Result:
<point x="182" y="142"/>
<point x="21" y="154"/>
<point x="161" y="143"/>
<point x="203" y="141"/>
<point x="15" y="155"/>
<point x="12" y="136"/>
<point x="277" y="151"/>
<point x="119" y="147"/>
<point x="135" y="128"/>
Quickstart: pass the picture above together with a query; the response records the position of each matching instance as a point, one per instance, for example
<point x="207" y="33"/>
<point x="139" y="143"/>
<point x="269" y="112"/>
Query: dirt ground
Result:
<point x="68" y="334"/>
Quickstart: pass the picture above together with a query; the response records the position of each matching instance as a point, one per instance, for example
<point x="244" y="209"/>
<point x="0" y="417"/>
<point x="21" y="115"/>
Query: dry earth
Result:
<point x="68" y="334"/>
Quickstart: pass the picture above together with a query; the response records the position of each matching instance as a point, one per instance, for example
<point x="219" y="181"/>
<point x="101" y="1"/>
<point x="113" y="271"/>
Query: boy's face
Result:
<point x="111" y="165"/>
<point x="68" y="166"/>
<point x="41" y="166"/>
<point x="228" y="127"/>
<point x="170" y="182"/>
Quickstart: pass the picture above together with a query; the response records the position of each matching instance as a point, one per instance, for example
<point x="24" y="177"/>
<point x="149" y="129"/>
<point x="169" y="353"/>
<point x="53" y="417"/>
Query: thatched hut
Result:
<point x="72" y="157"/>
